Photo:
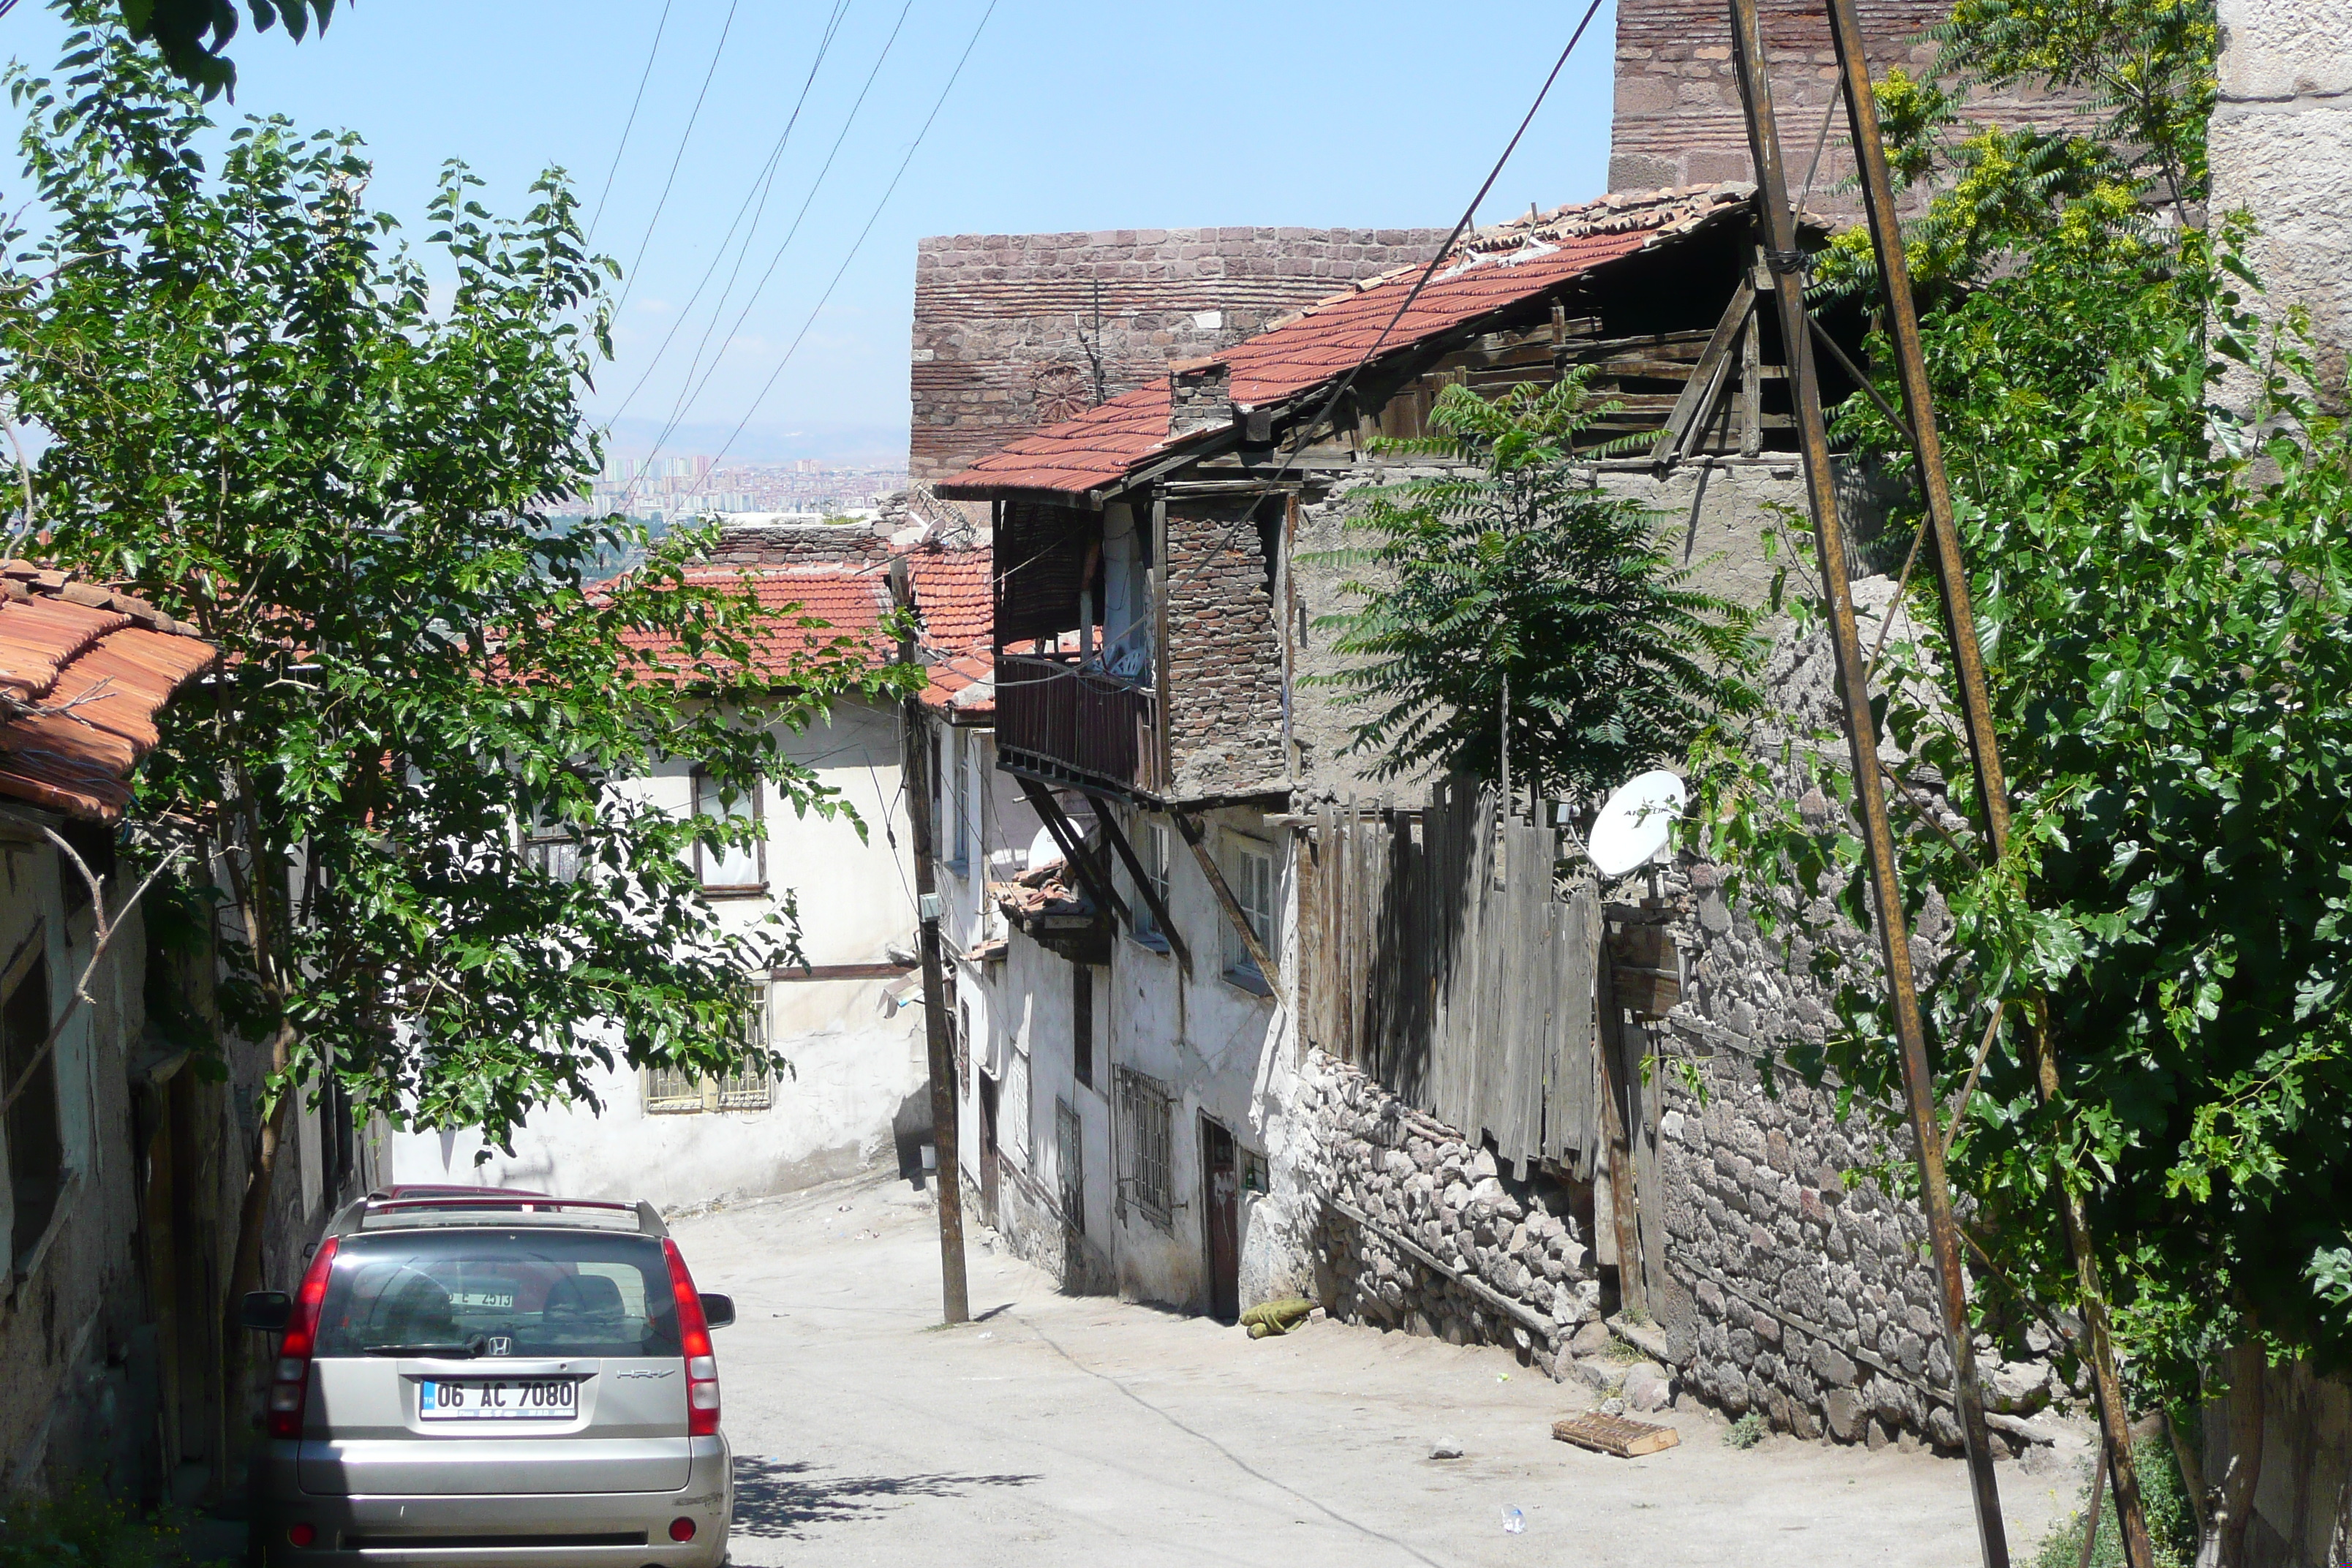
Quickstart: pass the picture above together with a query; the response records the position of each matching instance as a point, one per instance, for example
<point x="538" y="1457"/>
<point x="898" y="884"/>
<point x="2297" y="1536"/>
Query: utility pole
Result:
<point x="1984" y="746"/>
<point x="915" y="764"/>
<point x="1785" y="259"/>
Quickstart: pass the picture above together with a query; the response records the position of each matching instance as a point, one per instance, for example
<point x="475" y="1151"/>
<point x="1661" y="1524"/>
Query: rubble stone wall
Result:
<point x="1422" y="1187"/>
<point x="1804" y="1287"/>
<point x="1225" y="646"/>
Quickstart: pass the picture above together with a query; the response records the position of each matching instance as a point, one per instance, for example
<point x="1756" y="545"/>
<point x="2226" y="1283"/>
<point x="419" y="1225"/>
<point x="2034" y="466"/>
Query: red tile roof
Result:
<point x="1493" y="269"/>
<point x="83" y="673"/>
<point x="818" y="605"/>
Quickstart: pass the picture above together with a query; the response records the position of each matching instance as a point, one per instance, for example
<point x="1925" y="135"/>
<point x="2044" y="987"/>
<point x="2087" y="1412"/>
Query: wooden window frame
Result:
<point x="1146" y="1112"/>
<point x="1152" y="848"/>
<point x="1237" y="967"/>
<point x="697" y="780"/>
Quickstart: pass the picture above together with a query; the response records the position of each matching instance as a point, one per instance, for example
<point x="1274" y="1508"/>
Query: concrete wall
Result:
<point x="2281" y="150"/>
<point x="855" y="1067"/>
<point x="1005" y="335"/>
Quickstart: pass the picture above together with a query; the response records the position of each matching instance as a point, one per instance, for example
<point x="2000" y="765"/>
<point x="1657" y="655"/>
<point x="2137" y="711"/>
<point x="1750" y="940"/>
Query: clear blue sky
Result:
<point x="1068" y="115"/>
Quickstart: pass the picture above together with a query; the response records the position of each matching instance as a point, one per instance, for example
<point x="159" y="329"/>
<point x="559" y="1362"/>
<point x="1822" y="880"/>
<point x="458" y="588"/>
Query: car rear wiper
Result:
<point x="467" y="1352"/>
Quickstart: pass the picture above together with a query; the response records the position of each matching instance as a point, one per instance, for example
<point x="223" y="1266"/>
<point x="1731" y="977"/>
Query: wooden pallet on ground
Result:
<point x="1615" y="1435"/>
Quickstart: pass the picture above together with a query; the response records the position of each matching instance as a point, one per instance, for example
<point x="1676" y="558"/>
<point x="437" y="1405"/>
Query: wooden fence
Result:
<point x="1468" y="993"/>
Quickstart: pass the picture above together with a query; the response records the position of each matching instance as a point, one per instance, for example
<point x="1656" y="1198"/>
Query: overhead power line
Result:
<point x="626" y="126"/>
<point x="691" y="388"/>
<point x="763" y="183"/>
<point x="859" y="244"/>
<point x="629" y="280"/>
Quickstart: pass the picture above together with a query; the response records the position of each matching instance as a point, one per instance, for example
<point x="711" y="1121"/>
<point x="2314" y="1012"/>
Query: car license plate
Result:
<point x="499" y="1399"/>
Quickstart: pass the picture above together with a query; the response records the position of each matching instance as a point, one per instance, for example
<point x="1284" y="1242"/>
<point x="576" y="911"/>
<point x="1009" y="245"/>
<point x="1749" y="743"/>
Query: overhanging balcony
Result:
<point x="1072" y="726"/>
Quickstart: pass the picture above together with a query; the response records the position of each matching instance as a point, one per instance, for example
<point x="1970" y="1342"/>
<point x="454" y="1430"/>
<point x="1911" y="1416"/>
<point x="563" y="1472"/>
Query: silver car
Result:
<point x="476" y="1376"/>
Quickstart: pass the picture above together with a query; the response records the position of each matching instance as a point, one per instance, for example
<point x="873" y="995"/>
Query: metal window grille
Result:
<point x="669" y="1091"/>
<point x="1069" y="1150"/>
<point x="1252" y="875"/>
<point x="1148" y="1116"/>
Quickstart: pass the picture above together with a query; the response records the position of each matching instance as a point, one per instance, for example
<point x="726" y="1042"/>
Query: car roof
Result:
<point x="429" y="1206"/>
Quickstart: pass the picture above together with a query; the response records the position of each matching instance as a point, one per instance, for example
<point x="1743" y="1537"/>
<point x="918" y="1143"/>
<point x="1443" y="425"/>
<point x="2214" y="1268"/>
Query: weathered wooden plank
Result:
<point x="1698" y="393"/>
<point x="1618" y="1436"/>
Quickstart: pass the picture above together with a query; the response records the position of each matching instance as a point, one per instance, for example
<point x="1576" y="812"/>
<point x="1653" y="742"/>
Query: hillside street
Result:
<point x="1084" y="1430"/>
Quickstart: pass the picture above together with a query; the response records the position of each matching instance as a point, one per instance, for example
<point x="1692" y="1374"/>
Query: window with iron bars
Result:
<point x="669" y="1091"/>
<point x="1146" y="1123"/>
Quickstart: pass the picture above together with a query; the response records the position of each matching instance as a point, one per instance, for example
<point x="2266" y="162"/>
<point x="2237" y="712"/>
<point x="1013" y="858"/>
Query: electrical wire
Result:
<point x="626" y="126"/>
<point x="859" y="244"/>
<point x="692" y="394"/>
<point x="763" y="183"/>
<point x="1305" y="428"/>
<point x="629" y="278"/>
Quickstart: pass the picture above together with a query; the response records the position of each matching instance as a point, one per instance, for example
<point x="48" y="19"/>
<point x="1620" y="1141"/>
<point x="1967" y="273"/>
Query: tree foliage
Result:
<point x="1508" y="595"/>
<point x="263" y="416"/>
<point x="190" y="35"/>
<point x="2162" y="586"/>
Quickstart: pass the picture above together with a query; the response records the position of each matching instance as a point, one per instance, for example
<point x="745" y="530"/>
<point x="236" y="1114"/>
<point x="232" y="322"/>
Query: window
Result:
<point x="1249" y="868"/>
<point x="1082" y="1024"/>
<point x="1070" y="1159"/>
<point x="36" y="1140"/>
<point x="1151" y="850"/>
<point x="740" y="869"/>
<point x="1145" y="1118"/>
<point x="669" y="1091"/>
<point x="958" y="834"/>
<point x="962" y="1022"/>
<point x="553" y="853"/>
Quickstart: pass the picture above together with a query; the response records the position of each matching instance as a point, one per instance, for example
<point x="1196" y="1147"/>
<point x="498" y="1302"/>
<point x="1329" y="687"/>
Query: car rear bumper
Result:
<point x="568" y="1529"/>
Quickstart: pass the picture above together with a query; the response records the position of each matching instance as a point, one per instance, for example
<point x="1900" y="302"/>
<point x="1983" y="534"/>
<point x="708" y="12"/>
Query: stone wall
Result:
<point x="1802" y="1284"/>
<point x="2281" y="149"/>
<point x="753" y="543"/>
<point x="1679" y="119"/>
<point x="1426" y="1192"/>
<point x="1224" y="648"/>
<point x="1016" y="331"/>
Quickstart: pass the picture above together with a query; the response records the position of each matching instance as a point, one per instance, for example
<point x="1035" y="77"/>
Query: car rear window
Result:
<point x="500" y="1293"/>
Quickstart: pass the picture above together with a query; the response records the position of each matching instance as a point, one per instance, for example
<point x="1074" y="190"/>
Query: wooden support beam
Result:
<point x="1190" y="828"/>
<point x="1698" y="394"/>
<point x="1074" y="849"/>
<point x="1127" y="858"/>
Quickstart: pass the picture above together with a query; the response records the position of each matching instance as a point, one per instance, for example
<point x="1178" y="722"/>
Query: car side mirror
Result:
<point x="718" y="1311"/>
<point x="266" y="1311"/>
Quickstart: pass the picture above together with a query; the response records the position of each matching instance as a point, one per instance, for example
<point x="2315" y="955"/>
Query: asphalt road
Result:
<point x="1087" y="1431"/>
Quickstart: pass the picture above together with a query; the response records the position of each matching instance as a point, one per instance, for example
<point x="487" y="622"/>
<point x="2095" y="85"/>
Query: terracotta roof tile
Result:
<point x="94" y="668"/>
<point x="1491" y="270"/>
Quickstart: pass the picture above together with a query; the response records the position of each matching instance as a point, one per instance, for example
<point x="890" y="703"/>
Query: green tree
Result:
<point x="264" y="415"/>
<point x="1512" y="622"/>
<point x="192" y="34"/>
<point x="2162" y="586"/>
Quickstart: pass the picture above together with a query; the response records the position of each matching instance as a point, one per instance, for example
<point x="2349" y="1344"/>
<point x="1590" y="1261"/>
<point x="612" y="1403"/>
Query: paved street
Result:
<point x="1083" y="1430"/>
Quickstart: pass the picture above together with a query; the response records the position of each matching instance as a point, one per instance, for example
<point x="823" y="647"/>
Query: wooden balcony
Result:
<point x="1076" y="727"/>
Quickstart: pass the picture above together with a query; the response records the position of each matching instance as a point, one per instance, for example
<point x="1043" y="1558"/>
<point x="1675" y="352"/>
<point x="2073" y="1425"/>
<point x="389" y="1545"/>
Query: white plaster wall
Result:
<point x="1222" y="1051"/>
<point x="853" y="1067"/>
<point x="2281" y="148"/>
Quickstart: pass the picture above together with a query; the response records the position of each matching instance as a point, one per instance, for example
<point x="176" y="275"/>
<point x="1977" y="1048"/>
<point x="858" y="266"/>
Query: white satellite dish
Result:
<point x="1043" y="848"/>
<point x="1635" y="822"/>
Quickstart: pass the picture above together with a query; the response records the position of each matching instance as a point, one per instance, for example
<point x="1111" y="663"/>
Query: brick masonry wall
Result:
<point x="1678" y="117"/>
<point x="1004" y="332"/>
<point x="796" y="544"/>
<point x="1225" y="646"/>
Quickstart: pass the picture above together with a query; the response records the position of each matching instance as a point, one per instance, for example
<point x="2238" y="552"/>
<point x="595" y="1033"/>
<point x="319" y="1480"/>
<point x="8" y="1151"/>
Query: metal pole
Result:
<point x="1976" y="714"/>
<point x="948" y="1180"/>
<point x="1784" y="258"/>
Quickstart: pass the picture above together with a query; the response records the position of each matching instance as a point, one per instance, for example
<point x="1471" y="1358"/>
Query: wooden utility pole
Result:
<point x="1902" y="319"/>
<point x="946" y="1181"/>
<point x="1784" y="259"/>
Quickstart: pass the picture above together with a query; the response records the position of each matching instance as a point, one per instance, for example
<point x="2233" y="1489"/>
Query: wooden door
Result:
<point x="988" y="1149"/>
<point x="1221" y="1208"/>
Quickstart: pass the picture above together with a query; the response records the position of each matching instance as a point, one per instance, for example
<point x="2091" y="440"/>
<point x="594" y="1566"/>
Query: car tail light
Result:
<point x="681" y="1529"/>
<point x="301" y="1535"/>
<point x="291" y="1386"/>
<point x="701" y="1366"/>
